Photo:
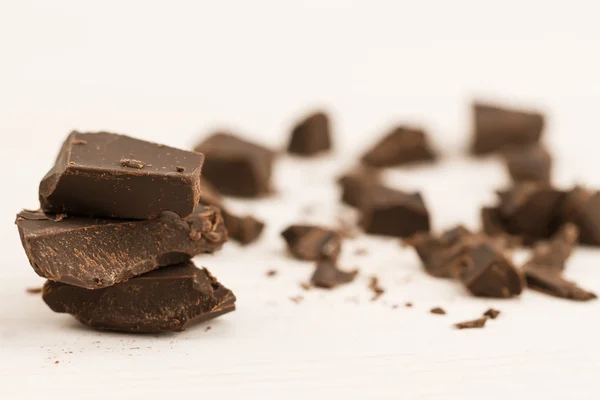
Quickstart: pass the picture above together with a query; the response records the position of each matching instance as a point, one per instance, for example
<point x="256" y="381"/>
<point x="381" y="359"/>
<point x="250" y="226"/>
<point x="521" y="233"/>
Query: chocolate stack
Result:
<point x="113" y="211"/>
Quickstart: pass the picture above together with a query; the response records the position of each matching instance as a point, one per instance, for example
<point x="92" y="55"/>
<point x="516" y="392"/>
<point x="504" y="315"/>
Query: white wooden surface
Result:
<point x="173" y="72"/>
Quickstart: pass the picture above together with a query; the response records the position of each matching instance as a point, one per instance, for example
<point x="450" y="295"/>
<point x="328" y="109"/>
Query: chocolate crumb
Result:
<point x="34" y="290"/>
<point x="132" y="163"/>
<point x="180" y="169"/>
<point x="79" y="141"/>
<point x="306" y="285"/>
<point x="378" y="291"/>
<point x="491" y="313"/>
<point x="56" y="362"/>
<point x="476" y="323"/>
<point x="271" y="272"/>
<point x="438" y="311"/>
<point x="297" y="299"/>
<point x="408" y="305"/>
<point x="208" y="328"/>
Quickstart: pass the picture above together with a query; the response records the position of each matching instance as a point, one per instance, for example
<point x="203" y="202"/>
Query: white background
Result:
<point x="173" y="71"/>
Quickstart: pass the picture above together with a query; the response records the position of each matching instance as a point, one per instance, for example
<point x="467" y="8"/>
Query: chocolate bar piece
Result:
<point x="530" y="210"/>
<point x="529" y="163"/>
<point x="403" y="145"/>
<point x="543" y="271"/>
<point x="497" y="128"/>
<point x="94" y="253"/>
<point x="244" y="230"/>
<point x="327" y="275"/>
<point x="311" y="136"/>
<point x="440" y="255"/>
<point x="108" y="175"/>
<point x="235" y="166"/>
<point x="391" y="212"/>
<point x="487" y="272"/>
<point x="169" y="299"/>
<point x="356" y="183"/>
<point x="582" y="207"/>
<point x="309" y="242"/>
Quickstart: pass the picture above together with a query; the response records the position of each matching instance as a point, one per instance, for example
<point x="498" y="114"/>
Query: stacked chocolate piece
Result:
<point x="113" y="211"/>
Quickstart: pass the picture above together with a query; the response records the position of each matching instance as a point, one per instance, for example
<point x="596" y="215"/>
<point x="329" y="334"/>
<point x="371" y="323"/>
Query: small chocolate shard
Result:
<point x="327" y="275"/>
<point x="497" y="128"/>
<point x="132" y="163"/>
<point x="529" y="210"/>
<point x="311" y="243"/>
<point x="408" y="305"/>
<point x="582" y="207"/>
<point x="376" y="288"/>
<point x="473" y="324"/>
<point x="271" y="273"/>
<point x="487" y="272"/>
<point x="237" y="167"/>
<point x="34" y="290"/>
<point x="438" y="311"/>
<point x="95" y="180"/>
<point x="440" y="255"/>
<point x="530" y="163"/>
<point x="94" y="253"/>
<point x="390" y="212"/>
<point x="168" y="299"/>
<point x="543" y="271"/>
<point x="491" y="313"/>
<point x="311" y="136"/>
<point x="402" y="146"/>
<point x="356" y="183"/>
<point x="244" y="230"/>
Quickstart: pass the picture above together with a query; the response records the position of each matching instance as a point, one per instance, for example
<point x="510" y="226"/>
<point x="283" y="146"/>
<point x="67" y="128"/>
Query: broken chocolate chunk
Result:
<point x="476" y="323"/>
<point x="391" y="212"/>
<point x="403" y="145"/>
<point x="327" y="275"/>
<point x="438" y="311"/>
<point x="237" y="167"/>
<point x="311" y="136"/>
<point x="309" y="242"/>
<point x="356" y="183"/>
<point x="530" y="163"/>
<point x="169" y="299"/>
<point x="94" y="253"/>
<point x="491" y="313"/>
<point x="529" y="210"/>
<point x="96" y="180"/>
<point x="582" y="207"/>
<point x="376" y="288"/>
<point x="496" y="128"/>
<point x="441" y="255"/>
<point x="244" y="230"/>
<point x="487" y="272"/>
<point x="543" y="271"/>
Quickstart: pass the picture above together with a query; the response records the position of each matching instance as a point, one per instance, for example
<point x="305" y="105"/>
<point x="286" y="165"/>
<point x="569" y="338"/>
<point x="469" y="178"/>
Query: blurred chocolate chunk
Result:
<point x="582" y="207"/>
<point x="390" y="212"/>
<point x="356" y="183"/>
<point x="487" y="272"/>
<point x="491" y="313"/>
<point x="543" y="271"/>
<point x="169" y="299"/>
<point x="244" y="230"/>
<point x="440" y="255"/>
<point x="102" y="179"/>
<point x="327" y="275"/>
<point x="310" y="242"/>
<point x="237" y="167"/>
<point x="497" y="128"/>
<point x="529" y="210"/>
<point x="401" y="146"/>
<point x="94" y="253"/>
<point x="473" y="324"/>
<point x="438" y="311"/>
<point x="311" y="136"/>
<point x="529" y="163"/>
